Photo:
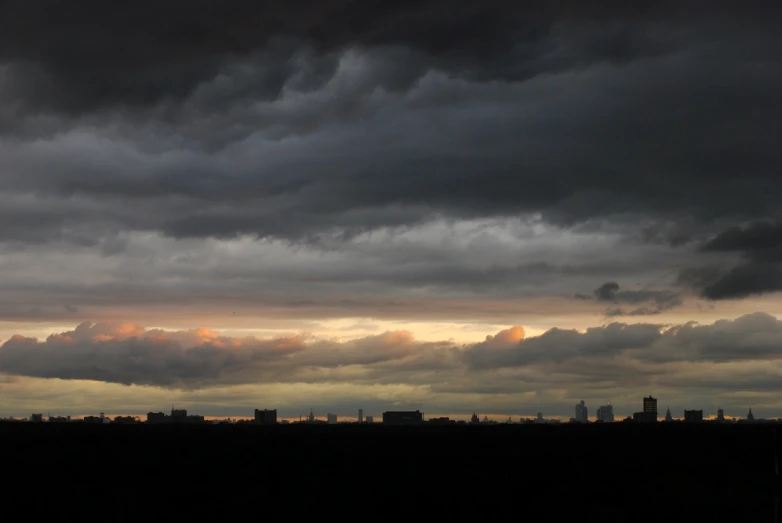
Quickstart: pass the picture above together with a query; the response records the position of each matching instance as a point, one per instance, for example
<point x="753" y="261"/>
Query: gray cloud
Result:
<point x="186" y="44"/>
<point x="325" y="116"/>
<point x="743" y="280"/>
<point x="760" y="246"/>
<point x="656" y="301"/>
<point x="750" y="337"/>
<point x="130" y="354"/>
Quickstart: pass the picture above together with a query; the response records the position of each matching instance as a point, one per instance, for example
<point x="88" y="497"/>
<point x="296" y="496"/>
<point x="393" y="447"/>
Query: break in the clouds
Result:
<point x="247" y="164"/>
<point x="619" y="360"/>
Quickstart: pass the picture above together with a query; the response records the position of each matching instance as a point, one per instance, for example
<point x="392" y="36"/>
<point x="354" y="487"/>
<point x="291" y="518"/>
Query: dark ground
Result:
<point x="616" y="472"/>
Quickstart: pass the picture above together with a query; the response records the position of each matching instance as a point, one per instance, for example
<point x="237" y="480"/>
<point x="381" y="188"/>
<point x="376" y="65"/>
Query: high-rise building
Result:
<point x="311" y="417"/>
<point x="668" y="416"/>
<point x="693" y="416"/>
<point x="750" y="416"/>
<point x="720" y="415"/>
<point x="361" y="415"/>
<point x="331" y="419"/>
<point x="266" y="417"/>
<point x="37" y="418"/>
<point x="606" y="413"/>
<point x="582" y="415"/>
<point x="370" y="419"/>
<point x="475" y="418"/>
<point x="650" y="409"/>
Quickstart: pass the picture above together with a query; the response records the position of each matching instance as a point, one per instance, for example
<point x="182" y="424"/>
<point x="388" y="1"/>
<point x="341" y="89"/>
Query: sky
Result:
<point x="499" y="207"/>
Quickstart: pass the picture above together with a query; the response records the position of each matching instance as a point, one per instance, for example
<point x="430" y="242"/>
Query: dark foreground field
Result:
<point x="615" y="472"/>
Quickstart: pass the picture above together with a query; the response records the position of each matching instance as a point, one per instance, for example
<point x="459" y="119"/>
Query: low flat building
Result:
<point x="403" y="417"/>
<point x="125" y="420"/>
<point x="156" y="417"/>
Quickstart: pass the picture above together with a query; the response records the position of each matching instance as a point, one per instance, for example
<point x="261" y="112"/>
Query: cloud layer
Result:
<point x="727" y="362"/>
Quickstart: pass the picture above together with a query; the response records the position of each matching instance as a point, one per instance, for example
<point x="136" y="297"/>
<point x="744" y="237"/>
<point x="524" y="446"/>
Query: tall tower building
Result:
<point x="668" y="416"/>
<point x="361" y="415"/>
<point x="582" y="415"/>
<point x="650" y="409"/>
<point x="311" y="418"/>
<point x="750" y="416"/>
<point x="720" y="415"/>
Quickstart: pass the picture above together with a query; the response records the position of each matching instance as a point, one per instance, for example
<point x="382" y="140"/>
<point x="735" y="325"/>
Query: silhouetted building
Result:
<point x="644" y="417"/>
<point x="311" y="417"/>
<point x="582" y="415"/>
<point x="441" y="421"/>
<point x="37" y="418"/>
<point x="668" y="416"/>
<point x="59" y="419"/>
<point x="361" y="415"/>
<point x="177" y="416"/>
<point x="266" y="417"/>
<point x="93" y="419"/>
<point x="156" y="417"/>
<point x="720" y="415"/>
<point x="370" y="419"/>
<point x="125" y="420"/>
<point x="650" y="409"/>
<point x="475" y="418"/>
<point x="693" y="416"/>
<point x="605" y="413"/>
<point x="403" y="417"/>
<point x="331" y="419"/>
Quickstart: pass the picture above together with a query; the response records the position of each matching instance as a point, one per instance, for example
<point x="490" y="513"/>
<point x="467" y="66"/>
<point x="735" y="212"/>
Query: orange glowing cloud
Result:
<point x="506" y="337"/>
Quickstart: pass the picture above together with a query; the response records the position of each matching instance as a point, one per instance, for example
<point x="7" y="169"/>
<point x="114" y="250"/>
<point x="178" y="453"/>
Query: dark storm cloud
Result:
<point x="760" y="240"/>
<point x="83" y="55"/>
<point x="305" y="119"/>
<point x="759" y="244"/>
<point x="653" y="301"/>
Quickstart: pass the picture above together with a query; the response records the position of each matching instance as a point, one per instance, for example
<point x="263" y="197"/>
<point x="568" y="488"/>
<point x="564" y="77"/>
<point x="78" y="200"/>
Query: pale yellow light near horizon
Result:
<point x="348" y="328"/>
